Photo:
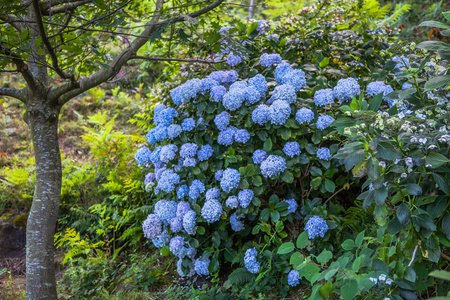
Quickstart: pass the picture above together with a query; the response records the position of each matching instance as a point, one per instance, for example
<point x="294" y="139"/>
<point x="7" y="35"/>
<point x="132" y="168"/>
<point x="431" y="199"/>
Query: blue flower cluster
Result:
<point x="259" y="82"/>
<point x="176" y="245"/>
<point x="377" y="87"/>
<point x="293" y="278"/>
<point x="188" y="124"/>
<point x="402" y="62"/>
<point x="201" y="266"/>
<point x="259" y="156"/>
<point x="166" y="210"/>
<point x="233" y="60"/>
<point x="168" y="180"/>
<point x="218" y="175"/>
<point x="196" y="188"/>
<point x="260" y="114"/>
<point x="304" y="115"/>
<point x="323" y="153"/>
<point x="251" y="95"/>
<point x="186" y="91"/>
<point x="236" y="222"/>
<point x="162" y="239"/>
<point x="152" y="226"/>
<point x="224" y="77"/>
<point x="232" y="202"/>
<point x="324" y="121"/>
<point x="150" y="177"/>
<point x="222" y="120"/>
<point x="267" y="60"/>
<point x="207" y="84"/>
<point x="230" y="179"/>
<point x="291" y="149"/>
<point x="218" y="92"/>
<point x="316" y="226"/>
<point x="292" y="205"/>
<point x="212" y="210"/>
<point x="242" y="136"/>
<point x="205" y="152"/>
<point x="233" y="99"/>
<point x="323" y="97"/>
<point x="273" y="165"/>
<point x="189" y="222"/>
<point x="173" y="131"/>
<point x="188" y="150"/>
<point x="226" y="137"/>
<point x="156" y="134"/>
<point x="285" y="92"/>
<point x="176" y="224"/>
<point x="250" y="261"/>
<point x="142" y="156"/>
<point x="279" y="112"/>
<point x="164" y="116"/>
<point x="281" y="70"/>
<point x="183" y="191"/>
<point x="346" y="89"/>
<point x="245" y="197"/>
<point x="167" y="153"/>
<point x="295" y="78"/>
<point x="212" y="193"/>
<point x="238" y="85"/>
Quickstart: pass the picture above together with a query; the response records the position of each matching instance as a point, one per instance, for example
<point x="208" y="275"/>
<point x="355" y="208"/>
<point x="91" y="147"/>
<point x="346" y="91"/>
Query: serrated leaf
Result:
<point x="375" y="103"/>
<point x="348" y="244"/>
<point x="268" y="144"/>
<point x="437" y="82"/>
<point x="434" y="24"/>
<point x="324" y="257"/>
<point x="436" y="159"/>
<point x="434" y="45"/>
<point x="326" y="290"/>
<point x="302" y="240"/>
<point x="350" y="289"/>
<point x="446" y="225"/>
<point x="286" y="248"/>
<point x="359" y="239"/>
<point x="403" y="213"/>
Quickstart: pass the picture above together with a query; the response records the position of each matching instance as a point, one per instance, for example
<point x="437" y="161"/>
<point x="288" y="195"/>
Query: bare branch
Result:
<point x="46" y="5"/>
<point x="47" y="44"/>
<point x="176" y="59"/>
<point x="13" y="21"/>
<point x="22" y="67"/>
<point x="15" y="93"/>
<point x="114" y="67"/>
<point x="65" y="8"/>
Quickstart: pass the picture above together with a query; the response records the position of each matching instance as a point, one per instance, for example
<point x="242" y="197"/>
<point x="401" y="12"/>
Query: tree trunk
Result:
<point x="43" y="122"/>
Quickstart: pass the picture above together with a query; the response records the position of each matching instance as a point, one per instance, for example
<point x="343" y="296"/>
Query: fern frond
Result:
<point x="240" y="277"/>
<point x="399" y="10"/>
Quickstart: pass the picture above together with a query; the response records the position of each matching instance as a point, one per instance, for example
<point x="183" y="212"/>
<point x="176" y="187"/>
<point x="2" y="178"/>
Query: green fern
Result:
<point x="239" y="277"/>
<point x="354" y="216"/>
<point x="399" y="10"/>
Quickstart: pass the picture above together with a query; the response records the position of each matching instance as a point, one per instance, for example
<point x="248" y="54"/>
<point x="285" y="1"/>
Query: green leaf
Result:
<point x="403" y="213"/>
<point x="440" y="274"/>
<point x="387" y="151"/>
<point x="329" y="186"/>
<point x="252" y="28"/>
<point x="275" y="216"/>
<point x="285" y="133"/>
<point x="446" y="225"/>
<point x="434" y="24"/>
<point x="287" y="176"/>
<point x="326" y="290"/>
<point x="436" y="160"/>
<point x="442" y="183"/>
<point x="268" y="144"/>
<point x="330" y="273"/>
<point x="375" y="103"/>
<point x="315" y="183"/>
<point x="296" y="259"/>
<point x="437" y="82"/>
<point x="348" y="244"/>
<point x="324" y="257"/>
<point x="302" y="240"/>
<point x="359" y="239"/>
<point x="357" y="264"/>
<point x="350" y="289"/>
<point x="308" y="271"/>
<point x="324" y="62"/>
<point x="434" y="45"/>
<point x="414" y="189"/>
<point x="165" y="251"/>
<point x="286" y="248"/>
<point x="446" y="15"/>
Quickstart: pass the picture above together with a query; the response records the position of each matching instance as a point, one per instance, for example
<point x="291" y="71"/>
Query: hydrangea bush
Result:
<point x="278" y="171"/>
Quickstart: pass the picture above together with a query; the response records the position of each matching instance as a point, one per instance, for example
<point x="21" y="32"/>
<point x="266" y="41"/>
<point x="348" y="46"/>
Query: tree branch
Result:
<point x="46" y="5"/>
<point x="13" y="21"/>
<point x="127" y="54"/>
<point x="15" y="93"/>
<point x="65" y="8"/>
<point x="47" y="44"/>
<point x="176" y="59"/>
<point x="22" y="67"/>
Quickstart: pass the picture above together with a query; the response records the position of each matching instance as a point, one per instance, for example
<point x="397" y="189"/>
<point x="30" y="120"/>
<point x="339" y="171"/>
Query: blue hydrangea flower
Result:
<point x="156" y="134"/>
<point x="376" y="87"/>
<point x="285" y="92"/>
<point x="212" y="193"/>
<point x="183" y="207"/>
<point x="346" y="89"/>
<point x="230" y="179"/>
<point x="218" y="92"/>
<point x="279" y="112"/>
<point x="212" y="210"/>
<point x="238" y="85"/>
<point x="187" y="91"/>
<point x="196" y="188"/>
<point x="205" y="152"/>
<point x="242" y="136"/>
<point x="189" y="162"/>
<point x="233" y="99"/>
<point x="224" y="77"/>
<point x="251" y="95"/>
<point x="233" y="60"/>
<point x="250" y="262"/>
<point x="406" y="85"/>
<point x="162" y="239"/>
<point x="201" y="266"/>
<point x="167" y="153"/>
<point x="291" y="149"/>
<point x="189" y="222"/>
<point x="226" y="137"/>
<point x="222" y="120"/>
<point x="188" y="150"/>
<point x="218" y="175"/>
<point x="180" y="271"/>
<point x="168" y="181"/>
<point x="236" y="222"/>
<point x="158" y="109"/>
<point x="207" y="84"/>
<point x="323" y="153"/>
<point x="159" y="173"/>
<point x="267" y="60"/>
<point x="273" y="165"/>
<point x="176" y="224"/>
<point x="292" y="205"/>
<point x="260" y="114"/>
<point x="164" y="116"/>
<point x="166" y="210"/>
<point x="402" y="62"/>
<point x="259" y="156"/>
<point x="176" y="244"/>
<point x="281" y="70"/>
<point x="316" y="226"/>
<point x="150" y="177"/>
<point x="173" y="131"/>
<point x="324" y="121"/>
<point x="182" y="191"/>
<point x="152" y="226"/>
<point x="262" y="26"/>
<point x="245" y="197"/>
<point x="142" y="156"/>
<point x="293" y="278"/>
<point x="295" y="78"/>
<point x="232" y="202"/>
<point x="323" y="97"/>
<point x="155" y="156"/>
<point x="188" y="124"/>
<point x="259" y="82"/>
<point x="275" y="37"/>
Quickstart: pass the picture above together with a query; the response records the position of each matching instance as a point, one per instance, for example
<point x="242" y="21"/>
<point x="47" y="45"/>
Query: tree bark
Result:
<point x="43" y="122"/>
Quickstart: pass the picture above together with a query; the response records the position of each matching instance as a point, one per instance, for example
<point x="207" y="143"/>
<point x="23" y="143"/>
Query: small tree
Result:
<point x="68" y="39"/>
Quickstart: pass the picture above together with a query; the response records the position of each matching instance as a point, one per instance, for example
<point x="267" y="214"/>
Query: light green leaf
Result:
<point x="302" y="240"/>
<point x="324" y="257"/>
<point x="286" y="248"/>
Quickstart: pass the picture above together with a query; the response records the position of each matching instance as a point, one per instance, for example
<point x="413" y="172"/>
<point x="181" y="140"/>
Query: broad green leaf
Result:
<point x="268" y="144"/>
<point x="446" y="225"/>
<point x="326" y="61"/>
<point x="350" y="289"/>
<point x="329" y="186"/>
<point x="348" y="244"/>
<point x="442" y="183"/>
<point x="302" y="240"/>
<point x="296" y="259"/>
<point x="359" y="239"/>
<point x="437" y="82"/>
<point x="324" y="257"/>
<point x="441" y="274"/>
<point x="434" y="24"/>
<point x="287" y="176"/>
<point x="375" y="103"/>
<point x="403" y="213"/>
<point x="434" y="45"/>
<point x="436" y="160"/>
<point x="330" y="273"/>
<point x="326" y="290"/>
<point x="308" y="271"/>
<point x="357" y="264"/>
<point x="286" y="248"/>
